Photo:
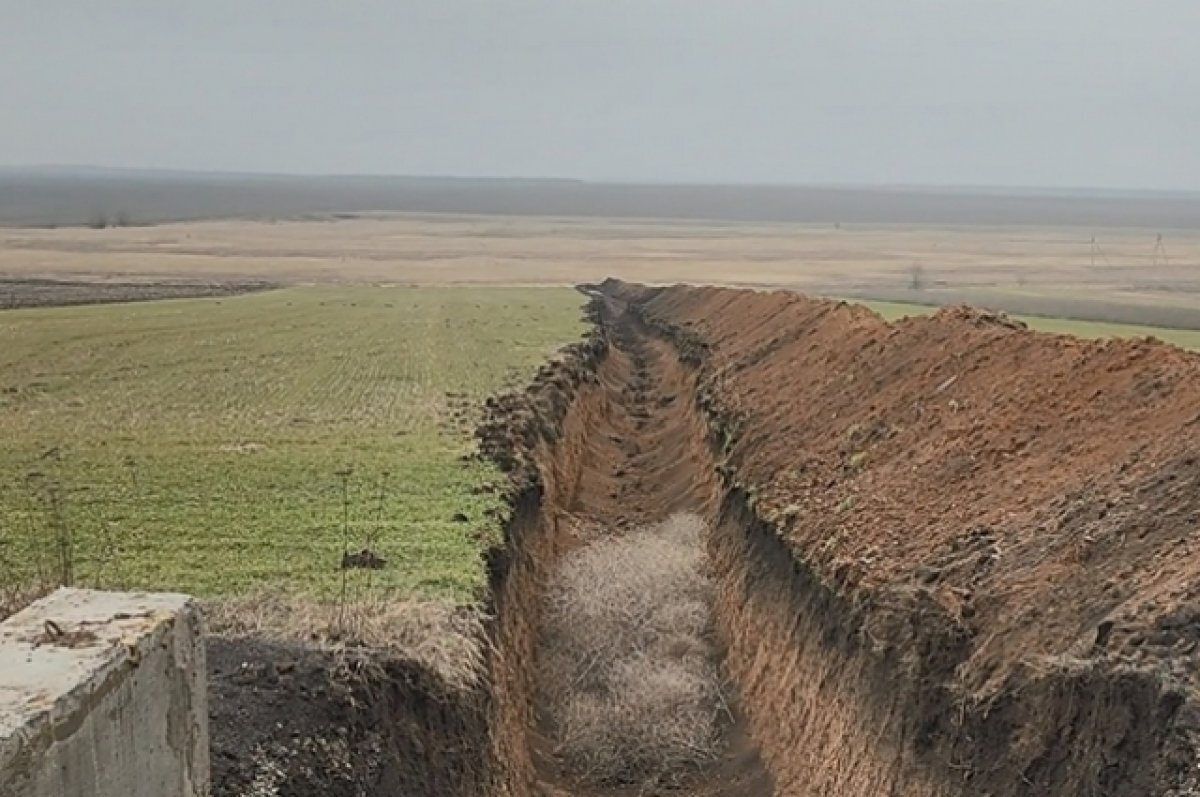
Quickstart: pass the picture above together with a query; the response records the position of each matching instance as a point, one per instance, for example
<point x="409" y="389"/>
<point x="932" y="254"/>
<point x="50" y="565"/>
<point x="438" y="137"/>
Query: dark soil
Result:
<point x="279" y="712"/>
<point x="18" y="292"/>
<point x="293" y="721"/>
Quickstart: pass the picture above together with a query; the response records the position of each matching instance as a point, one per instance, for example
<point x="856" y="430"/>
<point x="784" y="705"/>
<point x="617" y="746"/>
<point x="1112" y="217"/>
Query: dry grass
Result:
<point x="15" y="597"/>
<point x="444" y="638"/>
<point x="627" y="667"/>
<point x="562" y="251"/>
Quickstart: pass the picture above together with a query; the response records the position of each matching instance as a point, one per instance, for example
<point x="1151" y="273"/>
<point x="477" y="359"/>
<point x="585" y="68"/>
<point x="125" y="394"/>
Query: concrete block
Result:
<point x="103" y="694"/>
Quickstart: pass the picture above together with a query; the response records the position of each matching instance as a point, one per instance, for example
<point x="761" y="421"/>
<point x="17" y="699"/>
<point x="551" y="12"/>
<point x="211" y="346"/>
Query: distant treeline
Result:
<point x="103" y="197"/>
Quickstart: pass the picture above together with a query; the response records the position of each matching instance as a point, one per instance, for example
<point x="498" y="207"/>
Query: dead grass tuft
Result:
<point x="15" y="597"/>
<point x="627" y="667"/>
<point x="446" y="639"/>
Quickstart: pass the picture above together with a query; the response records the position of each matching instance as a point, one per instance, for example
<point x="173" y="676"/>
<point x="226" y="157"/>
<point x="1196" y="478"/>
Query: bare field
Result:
<point x="33" y="292"/>
<point x="1124" y="276"/>
<point x="500" y="250"/>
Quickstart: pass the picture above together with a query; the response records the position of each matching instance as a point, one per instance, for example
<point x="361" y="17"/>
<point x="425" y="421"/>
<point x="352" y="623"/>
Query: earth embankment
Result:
<point x="958" y="557"/>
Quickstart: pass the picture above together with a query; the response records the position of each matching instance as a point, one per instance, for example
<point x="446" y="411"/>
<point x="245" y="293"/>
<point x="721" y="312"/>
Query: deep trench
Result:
<point x="830" y="694"/>
<point x="813" y="710"/>
<point x="646" y="456"/>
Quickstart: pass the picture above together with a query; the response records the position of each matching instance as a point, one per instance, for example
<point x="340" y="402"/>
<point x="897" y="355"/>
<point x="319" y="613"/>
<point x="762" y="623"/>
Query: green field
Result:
<point x="204" y="445"/>
<point x="1185" y="338"/>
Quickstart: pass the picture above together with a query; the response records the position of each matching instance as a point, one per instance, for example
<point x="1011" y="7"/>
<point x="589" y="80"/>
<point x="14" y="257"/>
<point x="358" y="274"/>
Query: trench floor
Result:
<point x="647" y="456"/>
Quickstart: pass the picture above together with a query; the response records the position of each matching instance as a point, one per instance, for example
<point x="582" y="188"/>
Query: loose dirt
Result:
<point x="991" y="535"/>
<point x="296" y="720"/>
<point x="951" y="557"/>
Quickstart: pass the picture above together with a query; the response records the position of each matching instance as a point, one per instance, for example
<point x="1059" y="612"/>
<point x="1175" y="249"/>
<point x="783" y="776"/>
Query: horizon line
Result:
<point x="1012" y="189"/>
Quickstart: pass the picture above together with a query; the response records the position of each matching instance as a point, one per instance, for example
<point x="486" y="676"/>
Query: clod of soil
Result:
<point x="366" y="559"/>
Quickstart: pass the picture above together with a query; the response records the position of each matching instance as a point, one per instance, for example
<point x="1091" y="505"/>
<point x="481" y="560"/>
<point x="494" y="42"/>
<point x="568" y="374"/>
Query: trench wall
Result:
<point x="952" y="552"/>
<point x="537" y="437"/>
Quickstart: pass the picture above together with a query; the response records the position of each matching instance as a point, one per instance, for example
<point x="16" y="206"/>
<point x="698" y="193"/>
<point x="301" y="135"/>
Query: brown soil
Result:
<point x="610" y="439"/>
<point x="18" y="292"/>
<point x="958" y="553"/>
<point x="953" y="558"/>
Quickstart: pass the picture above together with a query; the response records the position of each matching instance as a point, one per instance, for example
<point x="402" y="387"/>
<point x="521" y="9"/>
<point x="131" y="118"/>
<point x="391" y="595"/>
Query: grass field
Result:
<point x="204" y="445"/>
<point x="1184" y="338"/>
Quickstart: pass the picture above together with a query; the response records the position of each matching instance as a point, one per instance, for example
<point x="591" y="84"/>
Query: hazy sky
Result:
<point x="993" y="92"/>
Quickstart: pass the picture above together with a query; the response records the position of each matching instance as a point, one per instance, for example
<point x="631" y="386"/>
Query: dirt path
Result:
<point x="646" y="458"/>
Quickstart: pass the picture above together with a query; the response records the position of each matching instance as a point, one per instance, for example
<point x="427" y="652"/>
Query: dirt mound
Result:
<point x="997" y="528"/>
<point x="294" y="720"/>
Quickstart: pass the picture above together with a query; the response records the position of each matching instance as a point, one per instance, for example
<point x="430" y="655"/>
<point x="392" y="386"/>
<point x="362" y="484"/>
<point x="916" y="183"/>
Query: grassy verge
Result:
<point x="1184" y="338"/>
<point x="216" y="446"/>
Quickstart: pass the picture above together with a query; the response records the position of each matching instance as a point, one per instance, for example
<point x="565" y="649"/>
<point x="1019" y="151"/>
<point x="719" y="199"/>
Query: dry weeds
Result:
<point x="445" y="639"/>
<point x="15" y="597"/>
<point x="627" y="667"/>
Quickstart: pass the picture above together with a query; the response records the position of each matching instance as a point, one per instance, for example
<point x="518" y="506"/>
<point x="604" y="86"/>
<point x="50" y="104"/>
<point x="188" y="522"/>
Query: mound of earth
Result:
<point x="294" y="720"/>
<point x="991" y="533"/>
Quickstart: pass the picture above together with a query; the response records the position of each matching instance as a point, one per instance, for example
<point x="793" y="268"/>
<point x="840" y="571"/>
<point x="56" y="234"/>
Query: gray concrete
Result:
<point x="103" y="695"/>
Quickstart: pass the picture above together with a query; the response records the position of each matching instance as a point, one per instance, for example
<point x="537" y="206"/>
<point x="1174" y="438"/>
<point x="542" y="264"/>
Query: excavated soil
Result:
<point x="952" y="557"/>
<point x="958" y="557"/>
<point x="294" y="720"/>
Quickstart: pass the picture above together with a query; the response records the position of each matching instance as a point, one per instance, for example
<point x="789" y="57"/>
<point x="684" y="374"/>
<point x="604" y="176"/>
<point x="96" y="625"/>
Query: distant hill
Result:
<point x="63" y="195"/>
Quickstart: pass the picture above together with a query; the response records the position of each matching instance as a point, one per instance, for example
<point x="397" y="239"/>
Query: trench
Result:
<point x="646" y="457"/>
<point x="832" y="691"/>
<point x="624" y="442"/>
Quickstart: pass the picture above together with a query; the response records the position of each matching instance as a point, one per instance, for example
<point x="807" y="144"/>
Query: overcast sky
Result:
<point x="1056" y="93"/>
